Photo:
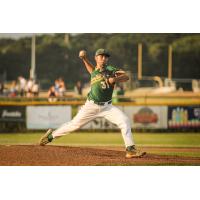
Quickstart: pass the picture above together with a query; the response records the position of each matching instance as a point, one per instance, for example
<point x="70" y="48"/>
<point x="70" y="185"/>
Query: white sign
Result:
<point x="147" y="116"/>
<point x="44" y="117"/>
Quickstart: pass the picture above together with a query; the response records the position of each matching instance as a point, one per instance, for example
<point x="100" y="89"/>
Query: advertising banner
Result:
<point x="44" y="117"/>
<point x="12" y="114"/>
<point x="184" y="117"/>
<point x="147" y="116"/>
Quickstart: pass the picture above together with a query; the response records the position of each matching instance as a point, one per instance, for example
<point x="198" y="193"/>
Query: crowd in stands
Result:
<point x="20" y="88"/>
<point x="57" y="90"/>
<point x="30" y="88"/>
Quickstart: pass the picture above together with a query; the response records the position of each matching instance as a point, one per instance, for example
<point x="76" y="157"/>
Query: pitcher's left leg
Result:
<point x="116" y="116"/>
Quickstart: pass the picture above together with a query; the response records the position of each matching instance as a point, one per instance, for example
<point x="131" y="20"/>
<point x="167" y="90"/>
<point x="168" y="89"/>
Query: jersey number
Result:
<point x="104" y="85"/>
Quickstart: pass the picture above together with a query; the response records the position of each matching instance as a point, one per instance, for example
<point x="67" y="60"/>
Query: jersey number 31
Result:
<point x="104" y="85"/>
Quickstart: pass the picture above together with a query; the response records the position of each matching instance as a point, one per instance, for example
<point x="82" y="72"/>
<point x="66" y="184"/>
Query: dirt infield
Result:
<point x="33" y="155"/>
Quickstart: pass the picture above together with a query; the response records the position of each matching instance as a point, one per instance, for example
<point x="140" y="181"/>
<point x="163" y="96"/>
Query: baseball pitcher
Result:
<point x="99" y="103"/>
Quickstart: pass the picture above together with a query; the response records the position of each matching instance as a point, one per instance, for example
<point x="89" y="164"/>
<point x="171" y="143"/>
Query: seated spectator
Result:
<point x="13" y="89"/>
<point x="52" y="94"/>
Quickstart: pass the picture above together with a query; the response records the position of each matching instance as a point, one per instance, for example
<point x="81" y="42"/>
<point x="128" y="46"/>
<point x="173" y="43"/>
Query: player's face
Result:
<point x="101" y="59"/>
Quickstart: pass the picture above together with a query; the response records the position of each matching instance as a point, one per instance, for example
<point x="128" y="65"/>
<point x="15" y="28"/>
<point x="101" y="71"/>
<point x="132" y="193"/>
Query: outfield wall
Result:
<point x="39" y="117"/>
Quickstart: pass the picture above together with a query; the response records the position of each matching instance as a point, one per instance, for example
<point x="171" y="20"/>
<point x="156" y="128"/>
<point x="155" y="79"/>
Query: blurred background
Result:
<point x="44" y="69"/>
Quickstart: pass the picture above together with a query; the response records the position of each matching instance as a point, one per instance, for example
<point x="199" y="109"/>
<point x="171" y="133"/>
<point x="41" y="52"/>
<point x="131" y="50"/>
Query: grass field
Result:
<point x="148" y="141"/>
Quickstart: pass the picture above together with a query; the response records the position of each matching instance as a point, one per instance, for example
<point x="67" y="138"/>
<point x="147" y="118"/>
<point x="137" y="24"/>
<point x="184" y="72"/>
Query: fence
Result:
<point x="39" y="116"/>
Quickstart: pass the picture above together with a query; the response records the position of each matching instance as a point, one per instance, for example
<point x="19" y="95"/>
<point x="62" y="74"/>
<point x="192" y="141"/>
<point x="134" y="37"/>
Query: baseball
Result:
<point x="82" y="54"/>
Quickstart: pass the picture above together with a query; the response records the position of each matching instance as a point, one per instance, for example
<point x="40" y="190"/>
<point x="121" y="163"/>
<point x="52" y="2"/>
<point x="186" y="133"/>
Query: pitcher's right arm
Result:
<point x="89" y="66"/>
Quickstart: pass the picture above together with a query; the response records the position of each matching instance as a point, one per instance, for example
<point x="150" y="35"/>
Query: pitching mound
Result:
<point x="33" y="155"/>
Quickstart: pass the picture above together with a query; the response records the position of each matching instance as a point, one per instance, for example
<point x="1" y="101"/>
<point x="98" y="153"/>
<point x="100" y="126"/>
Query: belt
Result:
<point x="102" y="103"/>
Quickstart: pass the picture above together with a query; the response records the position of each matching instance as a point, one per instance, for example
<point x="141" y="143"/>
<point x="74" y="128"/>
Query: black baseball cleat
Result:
<point x="46" y="138"/>
<point x="132" y="152"/>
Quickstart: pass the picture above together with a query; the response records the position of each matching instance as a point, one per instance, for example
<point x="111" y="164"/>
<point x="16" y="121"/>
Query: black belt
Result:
<point x="102" y="103"/>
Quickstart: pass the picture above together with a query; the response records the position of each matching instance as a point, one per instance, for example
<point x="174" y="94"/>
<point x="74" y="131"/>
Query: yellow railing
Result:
<point x="137" y="101"/>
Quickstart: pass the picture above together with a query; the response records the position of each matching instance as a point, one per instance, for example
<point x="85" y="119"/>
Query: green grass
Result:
<point x="168" y="139"/>
<point x="186" y="154"/>
<point x="114" y="139"/>
<point x="107" y="139"/>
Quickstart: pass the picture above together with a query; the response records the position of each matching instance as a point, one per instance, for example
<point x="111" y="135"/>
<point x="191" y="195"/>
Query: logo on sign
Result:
<point x="145" y="116"/>
<point x="6" y="113"/>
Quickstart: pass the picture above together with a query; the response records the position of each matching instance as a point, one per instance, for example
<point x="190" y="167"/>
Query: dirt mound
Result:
<point x="33" y="155"/>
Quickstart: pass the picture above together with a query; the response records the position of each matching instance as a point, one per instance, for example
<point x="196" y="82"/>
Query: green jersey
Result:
<point x="101" y="91"/>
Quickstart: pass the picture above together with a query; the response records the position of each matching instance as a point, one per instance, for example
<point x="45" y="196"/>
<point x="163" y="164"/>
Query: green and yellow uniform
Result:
<point x="101" y="90"/>
<point x="99" y="105"/>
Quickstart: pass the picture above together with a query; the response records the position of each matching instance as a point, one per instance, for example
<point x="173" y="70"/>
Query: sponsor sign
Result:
<point x="147" y="116"/>
<point x="184" y="117"/>
<point x="44" y="117"/>
<point x="12" y="114"/>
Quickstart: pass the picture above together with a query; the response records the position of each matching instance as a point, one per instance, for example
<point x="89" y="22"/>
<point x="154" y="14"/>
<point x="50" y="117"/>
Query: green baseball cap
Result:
<point x="102" y="52"/>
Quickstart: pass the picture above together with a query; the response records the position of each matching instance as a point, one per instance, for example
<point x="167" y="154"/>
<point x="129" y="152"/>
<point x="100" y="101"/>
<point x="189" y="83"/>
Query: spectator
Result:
<point x="22" y="85"/>
<point x="62" y="87"/>
<point x="56" y="85"/>
<point x="78" y="88"/>
<point x="52" y="94"/>
<point x="13" y="89"/>
<point x="35" y="89"/>
<point x="29" y="87"/>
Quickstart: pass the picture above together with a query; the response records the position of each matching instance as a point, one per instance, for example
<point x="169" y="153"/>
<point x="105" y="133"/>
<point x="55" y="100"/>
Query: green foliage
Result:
<point x="187" y="44"/>
<point x="187" y="56"/>
<point x="56" y="57"/>
<point x="156" y="50"/>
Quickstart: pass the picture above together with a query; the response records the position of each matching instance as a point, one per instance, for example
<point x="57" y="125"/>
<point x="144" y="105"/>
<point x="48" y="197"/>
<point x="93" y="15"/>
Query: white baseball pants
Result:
<point x="89" y="112"/>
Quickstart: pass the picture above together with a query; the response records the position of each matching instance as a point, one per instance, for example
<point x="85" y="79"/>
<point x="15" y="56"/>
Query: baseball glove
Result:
<point x="107" y="74"/>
